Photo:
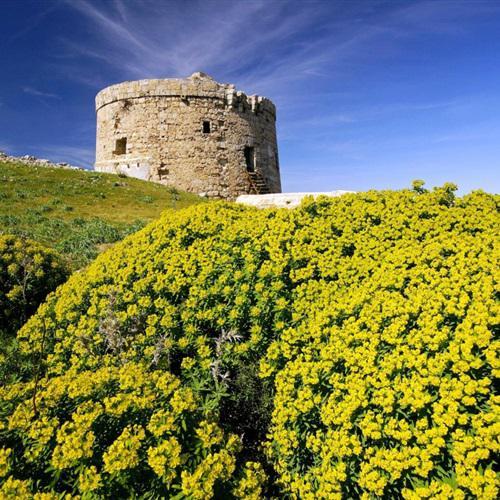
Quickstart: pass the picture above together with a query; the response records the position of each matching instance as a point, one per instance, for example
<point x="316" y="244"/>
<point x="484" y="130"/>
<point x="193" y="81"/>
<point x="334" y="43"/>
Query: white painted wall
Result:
<point x="282" y="200"/>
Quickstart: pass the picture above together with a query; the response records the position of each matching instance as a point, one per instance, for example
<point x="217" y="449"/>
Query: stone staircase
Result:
<point x="258" y="183"/>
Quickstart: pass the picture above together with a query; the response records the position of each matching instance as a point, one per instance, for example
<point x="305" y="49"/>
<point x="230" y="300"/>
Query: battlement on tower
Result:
<point x="198" y="85"/>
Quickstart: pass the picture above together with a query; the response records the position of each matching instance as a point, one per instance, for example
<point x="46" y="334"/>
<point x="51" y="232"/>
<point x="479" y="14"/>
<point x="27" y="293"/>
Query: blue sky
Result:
<point x="370" y="94"/>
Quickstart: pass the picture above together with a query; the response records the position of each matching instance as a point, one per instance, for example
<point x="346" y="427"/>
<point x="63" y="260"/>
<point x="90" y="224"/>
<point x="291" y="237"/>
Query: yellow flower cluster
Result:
<point x="372" y="319"/>
<point x="15" y="488"/>
<point x="4" y="461"/>
<point x="250" y="486"/>
<point x="165" y="458"/>
<point x="75" y="438"/>
<point x="199" y="484"/>
<point x="123" y="454"/>
<point x="89" y="480"/>
<point x="28" y="272"/>
<point x="209" y="434"/>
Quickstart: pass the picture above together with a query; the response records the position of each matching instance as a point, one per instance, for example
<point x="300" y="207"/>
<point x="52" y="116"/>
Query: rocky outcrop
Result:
<point x="35" y="162"/>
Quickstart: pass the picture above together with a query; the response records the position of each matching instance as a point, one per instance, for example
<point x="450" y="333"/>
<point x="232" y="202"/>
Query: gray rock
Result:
<point x="36" y="162"/>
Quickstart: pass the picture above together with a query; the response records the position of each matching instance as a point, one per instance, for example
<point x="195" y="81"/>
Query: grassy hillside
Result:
<point x="79" y="212"/>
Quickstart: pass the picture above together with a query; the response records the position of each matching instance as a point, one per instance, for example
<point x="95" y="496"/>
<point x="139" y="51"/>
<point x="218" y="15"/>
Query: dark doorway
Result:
<point x="250" y="158"/>
<point x="206" y="127"/>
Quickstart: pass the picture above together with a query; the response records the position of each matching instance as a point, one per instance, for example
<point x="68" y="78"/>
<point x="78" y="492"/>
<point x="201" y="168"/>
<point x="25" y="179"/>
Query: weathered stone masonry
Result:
<point x="194" y="134"/>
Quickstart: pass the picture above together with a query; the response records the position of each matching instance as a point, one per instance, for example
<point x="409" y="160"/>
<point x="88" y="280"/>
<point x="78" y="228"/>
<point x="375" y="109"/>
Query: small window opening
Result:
<point x="121" y="146"/>
<point x="206" y="127"/>
<point x="250" y="158"/>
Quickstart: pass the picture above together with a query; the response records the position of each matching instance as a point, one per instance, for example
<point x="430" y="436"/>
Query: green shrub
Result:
<point x="122" y="432"/>
<point x="349" y="344"/>
<point x="28" y="272"/>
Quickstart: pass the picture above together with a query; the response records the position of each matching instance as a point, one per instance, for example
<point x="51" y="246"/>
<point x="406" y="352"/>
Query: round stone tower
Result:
<point x="194" y="134"/>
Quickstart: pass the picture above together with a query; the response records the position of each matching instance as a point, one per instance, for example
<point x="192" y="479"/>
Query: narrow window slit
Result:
<point x="121" y="146"/>
<point x="206" y="127"/>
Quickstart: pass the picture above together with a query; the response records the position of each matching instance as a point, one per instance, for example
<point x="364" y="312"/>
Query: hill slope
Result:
<point x="79" y="212"/>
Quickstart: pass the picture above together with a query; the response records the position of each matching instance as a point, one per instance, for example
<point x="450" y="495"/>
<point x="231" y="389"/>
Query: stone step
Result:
<point x="258" y="182"/>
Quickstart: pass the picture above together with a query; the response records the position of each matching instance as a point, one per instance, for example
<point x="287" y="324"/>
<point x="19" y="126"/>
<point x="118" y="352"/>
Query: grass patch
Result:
<point x="79" y="213"/>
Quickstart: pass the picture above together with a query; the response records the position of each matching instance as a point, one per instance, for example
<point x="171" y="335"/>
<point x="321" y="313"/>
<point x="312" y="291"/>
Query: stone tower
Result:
<point x="194" y="134"/>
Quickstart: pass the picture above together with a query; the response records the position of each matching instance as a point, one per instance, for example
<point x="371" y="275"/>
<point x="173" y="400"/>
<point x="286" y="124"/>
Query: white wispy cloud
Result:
<point x="488" y="131"/>
<point x="75" y="155"/>
<point x="357" y="114"/>
<point x="176" y="39"/>
<point x="275" y="48"/>
<point x="39" y="93"/>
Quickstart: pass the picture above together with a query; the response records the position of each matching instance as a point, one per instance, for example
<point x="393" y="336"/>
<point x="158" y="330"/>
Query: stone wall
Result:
<point x="195" y="134"/>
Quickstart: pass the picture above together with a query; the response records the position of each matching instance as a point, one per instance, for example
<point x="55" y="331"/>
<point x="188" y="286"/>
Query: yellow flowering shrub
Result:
<point x="344" y="349"/>
<point x="28" y="272"/>
<point x="114" y="432"/>
<point x="385" y="379"/>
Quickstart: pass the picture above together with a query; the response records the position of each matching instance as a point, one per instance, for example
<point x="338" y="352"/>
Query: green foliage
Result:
<point x="28" y="273"/>
<point x="344" y="349"/>
<point x="418" y="186"/>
